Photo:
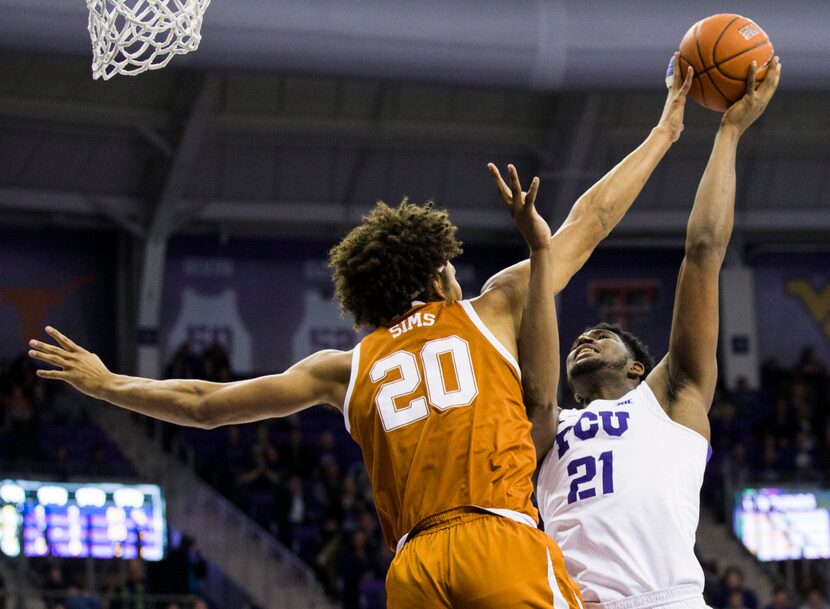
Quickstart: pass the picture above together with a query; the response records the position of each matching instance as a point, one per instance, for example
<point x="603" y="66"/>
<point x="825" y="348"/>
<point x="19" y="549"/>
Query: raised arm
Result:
<point x="684" y="382"/>
<point x="538" y="341"/>
<point x="321" y="378"/>
<point x="601" y="208"/>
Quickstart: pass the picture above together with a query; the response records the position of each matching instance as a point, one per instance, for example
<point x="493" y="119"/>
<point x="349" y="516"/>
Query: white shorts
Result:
<point x="680" y="597"/>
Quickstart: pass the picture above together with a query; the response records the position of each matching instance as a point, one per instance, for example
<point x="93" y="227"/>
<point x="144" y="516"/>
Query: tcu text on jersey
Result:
<point x="611" y="423"/>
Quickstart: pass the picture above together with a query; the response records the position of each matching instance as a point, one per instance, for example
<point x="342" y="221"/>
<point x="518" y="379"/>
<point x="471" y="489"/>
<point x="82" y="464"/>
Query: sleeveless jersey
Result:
<point x="435" y="403"/>
<point x="619" y="492"/>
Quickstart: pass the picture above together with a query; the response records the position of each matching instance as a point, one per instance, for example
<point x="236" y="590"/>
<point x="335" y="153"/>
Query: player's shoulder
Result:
<point x="330" y="364"/>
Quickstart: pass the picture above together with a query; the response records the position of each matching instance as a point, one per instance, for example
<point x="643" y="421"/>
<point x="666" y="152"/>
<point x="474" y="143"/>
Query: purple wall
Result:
<point x="63" y="278"/>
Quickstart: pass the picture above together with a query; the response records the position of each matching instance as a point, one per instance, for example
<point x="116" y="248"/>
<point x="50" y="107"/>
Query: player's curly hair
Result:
<point x="389" y="259"/>
<point x="637" y="347"/>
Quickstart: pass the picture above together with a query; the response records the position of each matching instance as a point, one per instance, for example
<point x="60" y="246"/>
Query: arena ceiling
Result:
<point x="300" y="141"/>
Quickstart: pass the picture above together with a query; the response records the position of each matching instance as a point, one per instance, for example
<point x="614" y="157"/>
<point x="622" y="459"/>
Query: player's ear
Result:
<point x="578" y="398"/>
<point x="438" y="288"/>
<point x="636" y="370"/>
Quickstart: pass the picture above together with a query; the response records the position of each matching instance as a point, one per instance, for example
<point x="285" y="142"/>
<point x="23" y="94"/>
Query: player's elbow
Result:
<point x="706" y="247"/>
<point x="203" y="414"/>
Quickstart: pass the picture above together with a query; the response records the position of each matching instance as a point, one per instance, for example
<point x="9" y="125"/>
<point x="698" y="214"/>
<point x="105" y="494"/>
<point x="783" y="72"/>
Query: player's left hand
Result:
<point x="746" y="110"/>
<point x="522" y="207"/>
<point x="675" y="107"/>
<point x="75" y="365"/>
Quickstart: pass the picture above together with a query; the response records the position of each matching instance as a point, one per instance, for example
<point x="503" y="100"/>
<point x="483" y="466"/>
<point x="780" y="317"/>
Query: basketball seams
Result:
<point x="718" y="89"/>
<point x="722" y="84"/>
<point x="702" y="63"/>
<point x="761" y="67"/>
<point x="720" y="36"/>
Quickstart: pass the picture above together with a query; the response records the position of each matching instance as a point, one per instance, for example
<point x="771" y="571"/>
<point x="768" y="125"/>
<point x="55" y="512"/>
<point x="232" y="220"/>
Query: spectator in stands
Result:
<point x="815" y="600"/>
<point x="61" y="468"/>
<point x="54" y="586"/>
<point x="329" y="488"/>
<point x="98" y="465"/>
<point x="733" y="583"/>
<point x="735" y="600"/>
<point x="76" y="599"/>
<point x="292" y="509"/>
<point x="215" y="363"/>
<point x="231" y="462"/>
<point x="184" y="364"/>
<point x="805" y="458"/>
<point x="133" y="589"/>
<point x="780" y="599"/>
<point x="357" y="564"/>
<point x="263" y="446"/>
<point x="328" y="551"/>
<point x="298" y="458"/>
<point x="772" y="461"/>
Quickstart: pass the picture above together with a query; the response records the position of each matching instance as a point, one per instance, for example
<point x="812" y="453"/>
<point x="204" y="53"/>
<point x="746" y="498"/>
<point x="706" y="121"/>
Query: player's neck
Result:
<point x="605" y="387"/>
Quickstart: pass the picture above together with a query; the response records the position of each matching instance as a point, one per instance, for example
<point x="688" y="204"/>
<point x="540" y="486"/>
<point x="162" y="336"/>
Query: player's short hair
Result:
<point x="637" y="347"/>
<point x="389" y="260"/>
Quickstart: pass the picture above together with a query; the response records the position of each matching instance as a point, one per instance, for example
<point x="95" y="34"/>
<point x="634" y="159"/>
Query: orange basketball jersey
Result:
<point x="435" y="403"/>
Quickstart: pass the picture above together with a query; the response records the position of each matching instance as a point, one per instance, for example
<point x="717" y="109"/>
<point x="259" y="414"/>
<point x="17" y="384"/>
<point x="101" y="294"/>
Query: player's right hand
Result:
<point x="522" y="207"/>
<point x="672" y="118"/>
<point x="75" y="365"/>
<point x="746" y="110"/>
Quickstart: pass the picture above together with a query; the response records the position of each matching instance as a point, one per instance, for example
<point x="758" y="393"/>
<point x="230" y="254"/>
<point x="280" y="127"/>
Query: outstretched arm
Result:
<point x="601" y="208"/>
<point x="321" y="378"/>
<point x="684" y="382"/>
<point x="538" y="341"/>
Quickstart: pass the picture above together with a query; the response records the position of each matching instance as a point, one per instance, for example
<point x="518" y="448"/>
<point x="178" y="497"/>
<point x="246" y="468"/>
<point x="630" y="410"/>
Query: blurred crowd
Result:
<point x="778" y="432"/>
<point x="727" y="590"/>
<point x="174" y="583"/>
<point x="302" y="478"/>
<point x="45" y="429"/>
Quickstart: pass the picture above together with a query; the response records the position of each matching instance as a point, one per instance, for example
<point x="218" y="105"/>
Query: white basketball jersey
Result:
<point x="620" y="493"/>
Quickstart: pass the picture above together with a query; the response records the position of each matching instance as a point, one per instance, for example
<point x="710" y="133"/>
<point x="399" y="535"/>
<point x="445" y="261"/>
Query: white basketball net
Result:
<point x="132" y="36"/>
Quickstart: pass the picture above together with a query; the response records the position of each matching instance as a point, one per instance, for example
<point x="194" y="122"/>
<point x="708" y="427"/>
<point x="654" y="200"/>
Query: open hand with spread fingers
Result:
<point x="746" y="110"/>
<point x="522" y="207"/>
<point x="75" y="365"/>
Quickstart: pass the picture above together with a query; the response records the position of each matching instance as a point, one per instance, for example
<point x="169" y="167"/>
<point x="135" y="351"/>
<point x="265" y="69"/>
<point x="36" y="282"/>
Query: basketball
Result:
<point x="721" y="49"/>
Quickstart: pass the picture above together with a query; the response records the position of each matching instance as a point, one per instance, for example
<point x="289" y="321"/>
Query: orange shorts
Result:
<point x="479" y="560"/>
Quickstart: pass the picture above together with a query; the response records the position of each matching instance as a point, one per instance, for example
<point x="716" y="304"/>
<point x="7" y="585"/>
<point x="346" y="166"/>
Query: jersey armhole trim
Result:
<point x="485" y="331"/>
<point x="658" y="411"/>
<point x="350" y="388"/>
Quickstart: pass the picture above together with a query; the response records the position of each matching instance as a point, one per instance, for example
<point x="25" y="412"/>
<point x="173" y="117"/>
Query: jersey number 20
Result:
<point x="435" y="377"/>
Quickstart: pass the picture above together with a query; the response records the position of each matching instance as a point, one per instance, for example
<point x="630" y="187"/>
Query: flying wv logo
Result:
<point x="817" y="302"/>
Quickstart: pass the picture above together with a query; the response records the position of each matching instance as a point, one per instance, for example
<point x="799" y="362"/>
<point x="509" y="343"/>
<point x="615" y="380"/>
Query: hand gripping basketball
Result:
<point x="673" y="111"/>
<point x="746" y="110"/>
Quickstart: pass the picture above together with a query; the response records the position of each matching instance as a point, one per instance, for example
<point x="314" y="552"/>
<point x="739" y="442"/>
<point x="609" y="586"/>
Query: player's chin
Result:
<point x="585" y="365"/>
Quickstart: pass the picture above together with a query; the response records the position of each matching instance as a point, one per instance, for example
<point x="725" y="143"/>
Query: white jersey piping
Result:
<point x="485" y="331"/>
<point x="350" y="388"/>
<point x="511" y="514"/>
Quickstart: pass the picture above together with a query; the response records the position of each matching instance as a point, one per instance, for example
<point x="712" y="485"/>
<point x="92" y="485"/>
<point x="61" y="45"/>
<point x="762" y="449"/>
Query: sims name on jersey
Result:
<point x="416" y="320"/>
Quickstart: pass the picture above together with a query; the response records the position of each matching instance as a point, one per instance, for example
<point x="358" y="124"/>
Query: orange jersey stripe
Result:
<point x="435" y="404"/>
